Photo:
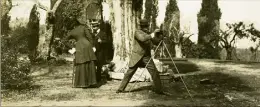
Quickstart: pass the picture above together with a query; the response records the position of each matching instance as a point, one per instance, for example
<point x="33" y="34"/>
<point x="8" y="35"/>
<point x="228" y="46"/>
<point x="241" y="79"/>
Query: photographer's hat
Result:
<point x="144" y="22"/>
<point x="95" y="24"/>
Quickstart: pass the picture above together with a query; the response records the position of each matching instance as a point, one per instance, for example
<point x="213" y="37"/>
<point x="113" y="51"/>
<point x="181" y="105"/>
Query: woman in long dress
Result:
<point x="85" y="73"/>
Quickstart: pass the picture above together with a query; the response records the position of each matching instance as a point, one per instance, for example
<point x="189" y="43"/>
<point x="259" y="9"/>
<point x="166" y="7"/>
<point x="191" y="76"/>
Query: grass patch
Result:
<point x="59" y="97"/>
<point x="20" y="95"/>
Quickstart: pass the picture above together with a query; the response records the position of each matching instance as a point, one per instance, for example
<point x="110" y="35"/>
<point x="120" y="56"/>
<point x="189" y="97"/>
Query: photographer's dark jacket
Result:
<point x="142" y="46"/>
<point x="84" y="44"/>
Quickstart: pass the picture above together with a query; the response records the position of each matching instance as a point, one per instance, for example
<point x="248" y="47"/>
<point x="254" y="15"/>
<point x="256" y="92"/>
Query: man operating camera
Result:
<point x="141" y="54"/>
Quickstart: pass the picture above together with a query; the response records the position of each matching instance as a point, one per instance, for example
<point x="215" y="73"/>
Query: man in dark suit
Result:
<point x="101" y="43"/>
<point x="140" y="56"/>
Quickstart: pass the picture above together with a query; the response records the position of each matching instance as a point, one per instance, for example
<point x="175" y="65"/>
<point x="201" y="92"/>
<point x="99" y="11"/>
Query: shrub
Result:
<point x="15" y="71"/>
<point x="192" y="50"/>
<point x="19" y="38"/>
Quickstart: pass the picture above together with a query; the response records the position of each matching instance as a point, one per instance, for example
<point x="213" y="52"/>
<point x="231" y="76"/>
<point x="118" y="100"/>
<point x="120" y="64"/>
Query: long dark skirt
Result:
<point x="85" y="75"/>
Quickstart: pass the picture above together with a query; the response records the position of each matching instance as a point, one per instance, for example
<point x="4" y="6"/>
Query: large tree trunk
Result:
<point x="151" y="12"/>
<point x="229" y="53"/>
<point x="50" y="38"/>
<point x="45" y="40"/>
<point x="123" y="19"/>
<point x="178" y="52"/>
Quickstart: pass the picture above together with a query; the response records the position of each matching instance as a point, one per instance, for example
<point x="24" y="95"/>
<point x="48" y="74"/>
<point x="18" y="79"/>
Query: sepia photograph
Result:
<point x="156" y="53"/>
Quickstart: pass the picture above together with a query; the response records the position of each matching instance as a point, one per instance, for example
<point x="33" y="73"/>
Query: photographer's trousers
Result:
<point x="151" y="69"/>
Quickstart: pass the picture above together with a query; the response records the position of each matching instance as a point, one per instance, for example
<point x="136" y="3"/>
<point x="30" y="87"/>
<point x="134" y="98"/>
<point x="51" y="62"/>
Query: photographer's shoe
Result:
<point x="121" y="91"/>
<point x="163" y="93"/>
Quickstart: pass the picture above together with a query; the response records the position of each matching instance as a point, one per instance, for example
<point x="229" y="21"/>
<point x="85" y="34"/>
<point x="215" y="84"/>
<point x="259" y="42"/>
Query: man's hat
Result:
<point x="95" y="24"/>
<point x="81" y="20"/>
<point x="144" y="22"/>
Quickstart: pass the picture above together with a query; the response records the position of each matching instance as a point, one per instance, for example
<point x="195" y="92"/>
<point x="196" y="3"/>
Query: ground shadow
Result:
<point x="213" y="93"/>
<point x="250" y="65"/>
<point x="50" y="69"/>
<point x="254" y="66"/>
<point x="142" y="88"/>
<point x="235" y="62"/>
<point x="182" y="66"/>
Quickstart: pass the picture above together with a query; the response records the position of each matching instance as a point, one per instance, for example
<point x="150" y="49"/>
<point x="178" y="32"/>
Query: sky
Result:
<point x="24" y="8"/>
<point x="232" y="11"/>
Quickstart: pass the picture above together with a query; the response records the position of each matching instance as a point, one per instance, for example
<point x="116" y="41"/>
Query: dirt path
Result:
<point x="234" y="85"/>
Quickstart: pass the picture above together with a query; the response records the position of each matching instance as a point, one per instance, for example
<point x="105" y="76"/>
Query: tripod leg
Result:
<point x="73" y="74"/>
<point x="177" y="70"/>
<point x="146" y="65"/>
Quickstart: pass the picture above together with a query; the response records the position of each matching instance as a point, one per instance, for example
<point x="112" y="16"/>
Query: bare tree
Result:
<point x="228" y="37"/>
<point x="255" y="37"/>
<point x="254" y="51"/>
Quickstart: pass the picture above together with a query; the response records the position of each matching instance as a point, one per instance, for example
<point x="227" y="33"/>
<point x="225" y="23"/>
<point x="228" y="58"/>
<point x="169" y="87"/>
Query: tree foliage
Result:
<point x="5" y="28"/>
<point x="255" y="38"/>
<point x="15" y="70"/>
<point x="172" y="17"/>
<point x="137" y="5"/>
<point x="171" y="25"/>
<point x="151" y="13"/>
<point x="66" y="16"/>
<point x="208" y="27"/>
<point x="63" y="20"/>
<point x="6" y="6"/>
<point x="33" y="27"/>
<point x="235" y="31"/>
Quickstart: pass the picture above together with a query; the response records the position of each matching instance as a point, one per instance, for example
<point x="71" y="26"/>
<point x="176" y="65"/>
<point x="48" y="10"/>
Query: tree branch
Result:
<point x="56" y="5"/>
<point x="176" y="30"/>
<point x="223" y="38"/>
<point x="41" y="6"/>
<point x="222" y="44"/>
<point x="15" y="5"/>
<point x="187" y="38"/>
<point x="234" y="37"/>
